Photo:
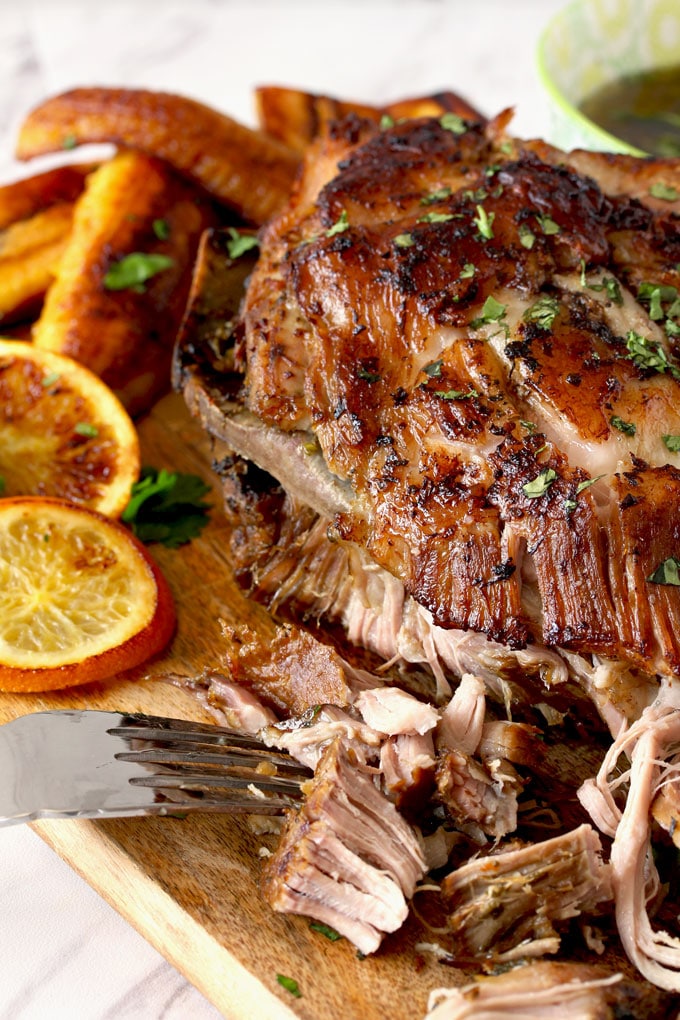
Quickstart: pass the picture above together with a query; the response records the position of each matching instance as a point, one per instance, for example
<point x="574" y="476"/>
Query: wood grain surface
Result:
<point x="190" y="886"/>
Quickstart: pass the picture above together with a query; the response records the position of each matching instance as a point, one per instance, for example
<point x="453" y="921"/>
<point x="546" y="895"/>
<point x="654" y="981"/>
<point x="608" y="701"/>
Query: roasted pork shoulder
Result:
<point x="447" y="417"/>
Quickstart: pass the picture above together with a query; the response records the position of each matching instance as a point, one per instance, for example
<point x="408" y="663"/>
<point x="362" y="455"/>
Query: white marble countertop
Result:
<point x="63" y="951"/>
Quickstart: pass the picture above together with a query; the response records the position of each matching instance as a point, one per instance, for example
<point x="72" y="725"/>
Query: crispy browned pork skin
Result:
<point x="454" y="323"/>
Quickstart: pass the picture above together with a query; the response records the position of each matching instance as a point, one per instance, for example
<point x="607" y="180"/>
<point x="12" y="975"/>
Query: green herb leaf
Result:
<point x="386" y="122"/>
<point x="548" y="225"/>
<point x="666" y="192"/>
<point x="404" y="240"/>
<point x="290" y="984"/>
<point x="434" y="369"/>
<point x="436" y="196"/>
<point x="627" y="427"/>
<point x="330" y="933"/>
<point x="84" y="428"/>
<point x="543" y="312"/>
<point x="457" y="394"/>
<point x="529" y="425"/>
<point x="50" y="379"/>
<point x="648" y="355"/>
<point x="570" y="504"/>
<point x="340" y="225"/>
<point x="492" y="311"/>
<point x="587" y="483"/>
<point x="436" y="217"/>
<point x="506" y="147"/>
<point x="161" y="229"/>
<point x="69" y="142"/>
<point x="452" y="122"/>
<point x="467" y="272"/>
<point x="540" y="484"/>
<point x="167" y="507"/>
<point x="672" y="443"/>
<point x="132" y="271"/>
<point x="369" y="377"/>
<point x="656" y="294"/>
<point x="610" y="285"/>
<point x="667" y="572"/>
<point x="484" y="222"/>
<point x="238" y="243"/>
<point x="527" y="238"/>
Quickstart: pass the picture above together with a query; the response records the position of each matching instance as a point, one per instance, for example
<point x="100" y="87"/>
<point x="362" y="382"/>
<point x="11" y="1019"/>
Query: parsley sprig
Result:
<point x="167" y="507"/>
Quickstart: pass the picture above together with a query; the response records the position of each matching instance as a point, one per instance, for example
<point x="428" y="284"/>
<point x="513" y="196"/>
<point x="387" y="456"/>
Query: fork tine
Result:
<point x="259" y="760"/>
<point x="189" y="779"/>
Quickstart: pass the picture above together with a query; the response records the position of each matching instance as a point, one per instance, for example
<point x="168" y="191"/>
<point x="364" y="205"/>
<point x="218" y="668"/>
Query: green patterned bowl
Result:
<point x="593" y="42"/>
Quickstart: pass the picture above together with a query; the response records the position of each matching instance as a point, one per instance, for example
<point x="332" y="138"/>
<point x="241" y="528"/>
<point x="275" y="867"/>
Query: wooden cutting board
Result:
<point x="190" y="886"/>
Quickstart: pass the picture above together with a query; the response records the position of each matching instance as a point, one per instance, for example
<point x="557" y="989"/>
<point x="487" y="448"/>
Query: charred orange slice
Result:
<point x="80" y="598"/>
<point x="63" y="433"/>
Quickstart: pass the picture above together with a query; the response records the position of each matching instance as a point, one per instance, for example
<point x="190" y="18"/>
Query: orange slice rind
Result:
<point x="80" y="598"/>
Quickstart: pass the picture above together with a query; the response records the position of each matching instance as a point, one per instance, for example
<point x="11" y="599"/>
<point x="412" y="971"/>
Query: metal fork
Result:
<point x="92" y="764"/>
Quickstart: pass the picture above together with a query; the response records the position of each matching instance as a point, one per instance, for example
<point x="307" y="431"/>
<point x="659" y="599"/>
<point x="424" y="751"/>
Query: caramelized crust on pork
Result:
<point x="458" y="320"/>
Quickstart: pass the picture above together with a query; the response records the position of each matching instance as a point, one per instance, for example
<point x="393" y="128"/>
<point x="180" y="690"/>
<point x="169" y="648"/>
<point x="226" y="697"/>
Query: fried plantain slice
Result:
<point x="121" y="287"/>
<point x="295" y="117"/>
<point x="244" y="169"/>
<point x="29" y="256"/>
<point x="24" y="198"/>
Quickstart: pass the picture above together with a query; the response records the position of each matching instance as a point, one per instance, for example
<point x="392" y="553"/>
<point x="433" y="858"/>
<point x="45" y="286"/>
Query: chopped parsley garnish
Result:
<point x="666" y="192"/>
<point x="324" y="929"/>
<point x="436" y="196"/>
<point x="530" y="425"/>
<point x="452" y="122"/>
<point x="540" y="484"/>
<point x="648" y="355"/>
<point x="238" y="243"/>
<point x="672" y="443"/>
<point x="467" y="272"/>
<point x="132" y="271"/>
<point x="627" y="427"/>
<point x="492" y="311"/>
<point x="369" y="377"/>
<point x="506" y="147"/>
<point x="484" y="222"/>
<point x="50" y="379"/>
<point x="656" y="295"/>
<point x="457" y="394"/>
<point x="667" y="572"/>
<point x="548" y="225"/>
<point x="69" y="142"/>
<point x="543" y="312"/>
<point x="84" y="428"/>
<point x="340" y="225"/>
<point x="587" y="483"/>
<point x="608" y="284"/>
<point x="161" y="229"/>
<point x="434" y="369"/>
<point x="436" y="217"/>
<point x="527" y="238"/>
<point x="167" y="507"/>
<point x="386" y="122"/>
<point x="403" y="240"/>
<point x="290" y="984"/>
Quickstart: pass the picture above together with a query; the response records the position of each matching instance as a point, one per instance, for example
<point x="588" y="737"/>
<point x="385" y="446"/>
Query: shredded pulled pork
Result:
<point x="651" y="745"/>
<point x="508" y="906"/>
<point x="538" y="991"/>
<point x="347" y="858"/>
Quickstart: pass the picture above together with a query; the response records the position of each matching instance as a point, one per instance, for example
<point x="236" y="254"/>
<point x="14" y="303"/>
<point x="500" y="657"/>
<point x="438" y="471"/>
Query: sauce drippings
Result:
<point x="642" y="109"/>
